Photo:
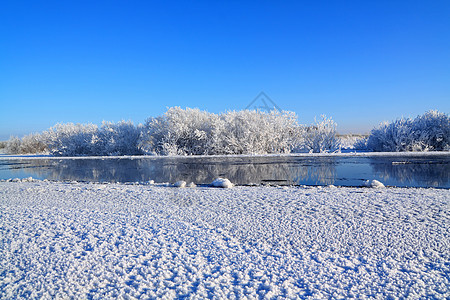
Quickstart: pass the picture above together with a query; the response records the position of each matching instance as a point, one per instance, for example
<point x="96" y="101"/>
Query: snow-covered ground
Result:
<point x="86" y="240"/>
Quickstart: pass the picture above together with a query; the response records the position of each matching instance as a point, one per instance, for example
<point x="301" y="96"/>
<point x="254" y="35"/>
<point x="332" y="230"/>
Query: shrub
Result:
<point x="70" y="139"/>
<point x="320" y="137"/>
<point x="361" y="143"/>
<point x="429" y="132"/>
<point x="33" y="143"/>
<point x="254" y="132"/>
<point x="73" y="139"/>
<point x="119" y="139"/>
<point x="13" y="145"/>
<point x="178" y="132"/>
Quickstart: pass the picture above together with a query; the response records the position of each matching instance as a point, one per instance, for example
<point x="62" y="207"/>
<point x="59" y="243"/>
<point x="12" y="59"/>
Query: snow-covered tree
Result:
<point x="120" y="138"/>
<point x="429" y="132"/>
<point x="254" y="132"/>
<point x="13" y="145"/>
<point x="73" y="139"/>
<point x="33" y="143"/>
<point x="178" y="132"/>
<point x="320" y="137"/>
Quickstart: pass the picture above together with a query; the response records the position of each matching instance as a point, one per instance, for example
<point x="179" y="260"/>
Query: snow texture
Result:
<point x="93" y="241"/>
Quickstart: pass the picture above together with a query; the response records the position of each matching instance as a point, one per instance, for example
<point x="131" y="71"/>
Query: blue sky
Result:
<point x="359" y="62"/>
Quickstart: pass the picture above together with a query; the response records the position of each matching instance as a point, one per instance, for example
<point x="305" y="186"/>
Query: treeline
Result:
<point x="195" y="132"/>
<point x="185" y="132"/>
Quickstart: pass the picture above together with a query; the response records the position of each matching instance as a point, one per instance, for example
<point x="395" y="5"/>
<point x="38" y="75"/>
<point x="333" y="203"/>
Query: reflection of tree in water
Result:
<point x="321" y="172"/>
<point x="249" y="170"/>
<point x="95" y="170"/>
<point x="426" y="172"/>
<point x="206" y="172"/>
<point x="284" y="170"/>
<point x="200" y="170"/>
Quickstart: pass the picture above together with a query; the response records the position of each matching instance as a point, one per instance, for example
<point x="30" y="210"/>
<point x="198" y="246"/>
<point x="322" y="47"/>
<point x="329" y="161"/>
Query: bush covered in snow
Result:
<point x="13" y="145"/>
<point x="361" y="144"/>
<point x="178" y="132"/>
<point x="32" y="143"/>
<point x="320" y="137"/>
<point x="121" y="138"/>
<point x="73" y="139"/>
<point x="428" y="132"/>
<point x="255" y="132"/>
<point x="87" y="139"/>
<point x="80" y="140"/>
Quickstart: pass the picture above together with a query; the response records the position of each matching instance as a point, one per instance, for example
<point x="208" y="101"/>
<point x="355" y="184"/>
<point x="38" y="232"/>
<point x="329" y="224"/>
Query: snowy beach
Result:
<point x="86" y="240"/>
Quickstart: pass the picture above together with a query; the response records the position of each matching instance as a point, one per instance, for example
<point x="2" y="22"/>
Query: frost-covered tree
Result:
<point x="178" y="132"/>
<point x="254" y="132"/>
<point x="29" y="144"/>
<point x="361" y="143"/>
<point x="81" y="139"/>
<point x="320" y="137"/>
<point x="429" y="132"/>
<point x="13" y="145"/>
<point x="33" y="143"/>
<point x="389" y="137"/>
<point x="73" y="139"/>
<point x="121" y="138"/>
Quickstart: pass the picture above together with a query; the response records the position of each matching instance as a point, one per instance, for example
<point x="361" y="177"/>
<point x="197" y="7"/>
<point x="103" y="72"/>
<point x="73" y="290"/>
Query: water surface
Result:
<point x="347" y="170"/>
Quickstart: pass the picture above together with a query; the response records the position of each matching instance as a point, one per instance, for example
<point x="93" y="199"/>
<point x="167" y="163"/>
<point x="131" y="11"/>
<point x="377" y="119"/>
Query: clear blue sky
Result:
<point x="360" y="62"/>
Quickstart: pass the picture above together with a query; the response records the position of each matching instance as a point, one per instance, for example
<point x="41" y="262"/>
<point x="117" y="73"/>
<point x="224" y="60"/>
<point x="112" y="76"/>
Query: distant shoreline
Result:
<point x="342" y="154"/>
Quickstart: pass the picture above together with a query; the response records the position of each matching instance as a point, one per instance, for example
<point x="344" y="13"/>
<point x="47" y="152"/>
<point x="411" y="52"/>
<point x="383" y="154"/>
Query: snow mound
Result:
<point x="374" y="184"/>
<point x="180" y="184"/>
<point x="222" y="182"/>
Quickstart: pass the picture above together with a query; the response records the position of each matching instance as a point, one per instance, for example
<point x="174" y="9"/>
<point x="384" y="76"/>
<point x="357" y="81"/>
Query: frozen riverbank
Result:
<point x="97" y="241"/>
